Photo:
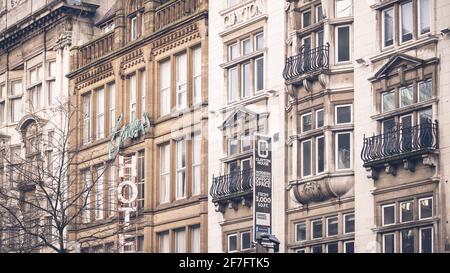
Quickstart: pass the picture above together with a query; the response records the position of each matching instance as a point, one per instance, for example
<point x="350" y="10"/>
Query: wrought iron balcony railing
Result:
<point x="307" y="61"/>
<point x="232" y="185"/>
<point x="400" y="143"/>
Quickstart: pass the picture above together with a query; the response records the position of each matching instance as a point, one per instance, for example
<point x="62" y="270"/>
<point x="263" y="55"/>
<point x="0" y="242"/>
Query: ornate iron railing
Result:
<point x="232" y="184"/>
<point x="400" y="143"/>
<point x="307" y="61"/>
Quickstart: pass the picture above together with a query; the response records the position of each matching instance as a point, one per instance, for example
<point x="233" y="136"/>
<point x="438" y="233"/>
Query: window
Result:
<point x="425" y="90"/>
<point x="316" y="229"/>
<point x="407" y="241"/>
<point x="406" y="211"/>
<point x="165" y="87"/>
<point x="406" y="96"/>
<point x="247" y="46"/>
<point x="425" y="116"/>
<point x="99" y="200"/>
<point x="306" y="122"/>
<point x="232" y="243"/>
<point x="16" y="101"/>
<point x="406" y="14"/>
<point x="300" y="232"/>
<point x="344" y="114"/>
<point x="306" y="158"/>
<point x="320" y="122"/>
<point x="112" y="106"/>
<point x="133" y="28"/>
<point x="181" y="81"/>
<point x="343" y="43"/>
<point x="246" y="241"/>
<point x="320" y="154"/>
<point x="317" y="249"/>
<point x="86" y="99"/>
<point x="143" y="91"/>
<point x="388" y="27"/>
<point x="164" y="243"/>
<point x="164" y="173"/>
<point x="424" y="16"/>
<point x="259" y="38"/>
<point x="35" y="87"/>
<point x="343" y="8"/>
<point x="306" y="19"/>
<point x="426" y="208"/>
<point x="259" y="74"/>
<point x="388" y="214"/>
<point x="196" y="164"/>
<point x="426" y="240"/>
<point x="332" y="226"/>
<point x="388" y="101"/>
<point x="344" y="151"/>
<point x="389" y="243"/>
<point x="233" y="85"/>
<point x="112" y="190"/>
<point x="233" y="146"/>
<point x="197" y="75"/>
<point x="180" y="241"/>
<point x="319" y="13"/>
<point x="233" y="51"/>
<point x="133" y="97"/>
<point x="2" y="104"/>
<point x="246" y="142"/>
<point x="100" y="112"/>
<point x="181" y="169"/>
<point x="300" y="250"/>
<point x="51" y="83"/>
<point x="246" y="72"/>
<point x="349" y="247"/>
<point x="333" y="247"/>
<point x="195" y="239"/>
<point x="141" y="180"/>
<point x="86" y="209"/>
<point x="349" y="223"/>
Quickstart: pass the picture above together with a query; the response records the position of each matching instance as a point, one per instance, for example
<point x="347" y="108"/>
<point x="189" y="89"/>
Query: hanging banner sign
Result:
<point x="262" y="192"/>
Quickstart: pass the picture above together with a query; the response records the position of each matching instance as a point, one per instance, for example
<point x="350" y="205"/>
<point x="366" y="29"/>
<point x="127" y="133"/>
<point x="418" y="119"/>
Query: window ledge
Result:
<point x="408" y="225"/>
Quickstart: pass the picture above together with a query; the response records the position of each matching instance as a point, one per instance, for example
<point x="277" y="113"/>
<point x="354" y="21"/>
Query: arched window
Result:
<point x="135" y="13"/>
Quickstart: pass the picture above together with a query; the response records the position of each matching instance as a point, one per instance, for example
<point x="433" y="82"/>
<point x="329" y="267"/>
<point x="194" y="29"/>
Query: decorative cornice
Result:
<point x="132" y="59"/>
<point x="94" y="75"/>
<point x="175" y="39"/>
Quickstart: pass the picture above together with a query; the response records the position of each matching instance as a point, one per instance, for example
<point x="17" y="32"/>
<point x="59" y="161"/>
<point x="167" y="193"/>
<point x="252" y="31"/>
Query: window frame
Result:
<point x="336" y="113"/>
<point x="400" y="20"/>
<point x="420" y="238"/>
<point x="242" y="240"/>
<point x="420" y="210"/>
<point x="345" y="223"/>
<point x="312" y="229"/>
<point x="318" y="172"/>
<point x="302" y="122"/>
<point x="166" y="174"/>
<point x="384" y="241"/>
<point x="328" y="223"/>
<point x="181" y="169"/>
<point x="383" y="216"/>
<point x="303" y="158"/>
<point x="350" y="133"/>
<point x="419" y="18"/>
<point x="412" y="208"/>
<point x="383" y="28"/>
<point x="350" y="42"/>
<point x="228" y="243"/>
<point x="303" y="223"/>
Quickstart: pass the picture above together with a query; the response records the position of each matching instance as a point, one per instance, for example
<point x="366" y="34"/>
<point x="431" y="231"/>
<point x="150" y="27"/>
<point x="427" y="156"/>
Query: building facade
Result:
<point x="140" y="86"/>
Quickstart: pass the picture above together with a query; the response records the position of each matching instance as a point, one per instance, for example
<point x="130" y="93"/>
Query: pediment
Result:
<point x="398" y="62"/>
<point x="240" y="113"/>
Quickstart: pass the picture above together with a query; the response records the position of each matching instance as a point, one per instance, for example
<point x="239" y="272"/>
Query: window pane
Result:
<point x="388" y="27"/>
<point x="425" y="16"/>
<point x="259" y="74"/>
<point x="343" y="151"/>
<point x="388" y="101"/>
<point x="306" y="123"/>
<point x="180" y="241"/>
<point x="349" y="247"/>
<point x="389" y="215"/>
<point x="406" y="96"/>
<point x="232" y="243"/>
<point x="316" y="249"/>
<point x="246" y="80"/>
<point x="349" y="223"/>
<point x="197" y="75"/>
<point x="344" y="114"/>
<point x="300" y="232"/>
<point x="406" y="210"/>
<point x="407" y="21"/>
<point x="307" y="18"/>
<point x="195" y="240"/>
<point x="306" y="157"/>
<point x="343" y="44"/>
<point x="320" y="119"/>
<point x="426" y="208"/>
<point x="425" y="90"/>
<point x="426" y="116"/>
<point x="233" y="146"/>
<point x="233" y="86"/>
<point x="100" y="113"/>
<point x="407" y="241"/>
<point x="247" y="46"/>
<point x="317" y="229"/>
<point x="165" y="87"/>
<point x="164" y="243"/>
<point x="333" y="248"/>
<point x="319" y="13"/>
<point x="259" y="41"/>
<point x="332" y="226"/>
<point x="181" y="81"/>
<point x="320" y="142"/>
<point x="246" y="241"/>
<point x="343" y="8"/>
<point x="233" y="51"/>
<point x="426" y="240"/>
<point x="389" y="243"/>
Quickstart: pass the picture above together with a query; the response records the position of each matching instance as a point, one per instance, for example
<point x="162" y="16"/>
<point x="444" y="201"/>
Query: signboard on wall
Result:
<point x="262" y="192"/>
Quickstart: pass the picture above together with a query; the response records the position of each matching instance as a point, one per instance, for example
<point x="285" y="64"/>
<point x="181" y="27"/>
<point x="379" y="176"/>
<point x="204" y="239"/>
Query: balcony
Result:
<point x="307" y="61"/>
<point x="232" y="189"/>
<point x="401" y="145"/>
<point x="174" y="11"/>
<point x="94" y="50"/>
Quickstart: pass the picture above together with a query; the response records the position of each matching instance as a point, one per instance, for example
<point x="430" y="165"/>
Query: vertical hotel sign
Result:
<point x="262" y="193"/>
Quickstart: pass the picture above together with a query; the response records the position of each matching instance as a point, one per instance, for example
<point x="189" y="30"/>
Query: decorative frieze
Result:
<point x="94" y="75"/>
<point x="176" y="39"/>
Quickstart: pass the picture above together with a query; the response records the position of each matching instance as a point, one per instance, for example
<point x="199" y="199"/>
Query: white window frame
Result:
<point x="242" y="240"/>
<point x="419" y="19"/>
<point x="310" y="160"/>
<point x="335" y="9"/>
<point x="228" y="242"/>
<point x="310" y="18"/>
<point x="112" y="105"/>
<point x="244" y="79"/>
<point x="182" y="84"/>
<point x="165" y="91"/>
<point x="332" y="243"/>
<point x="180" y="243"/>
<point x="382" y="101"/>
<point x="337" y="44"/>
<point x="418" y="89"/>
<point x="317" y="118"/>
<point x="100" y="113"/>
<point x="345" y="246"/>
<point x="328" y="230"/>
<point x="164" y="242"/>
<point x="133" y="96"/>
<point x="432" y="238"/>
<point x="336" y="113"/>
<point x="133" y="28"/>
<point x="312" y="229"/>
<point x="337" y="150"/>
<point x="401" y="239"/>
<point x="400" y="13"/>
<point x="232" y="46"/>
<point x="382" y="214"/>
<point x="345" y="223"/>
<point x="420" y="211"/>
<point x="256" y="75"/>
<point x="296" y="231"/>
<point x="317" y="13"/>
<point x="301" y="122"/>
<point x="196" y="189"/>
<point x="99" y="193"/>
<point x="317" y="155"/>
<point x="232" y="99"/>
<point x="384" y="241"/>
<point x="181" y="169"/>
<point x="249" y="40"/>
<point x="400" y="210"/>
<point x="165" y="148"/>
<point x="401" y="90"/>
<point x="197" y="75"/>
<point x="143" y="81"/>
<point x="300" y="250"/>
<point x="112" y="191"/>
<point x="256" y="36"/>
<point x="87" y="119"/>
<point x="383" y="28"/>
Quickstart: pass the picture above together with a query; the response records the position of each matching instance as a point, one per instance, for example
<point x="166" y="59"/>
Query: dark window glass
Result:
<point x="349" y="247"/>
<point x="317" y="229"/>
<point x="389" y="243"/>
<point x="320" y="154"/>
<point x="316" y="249"/>
<point x="232" y="243"/>
<point x="407" y="241"/>
<point x="306" y="19"/>
<point x="406" y="210"/>
<point x="426" y="240"/>
<point x="343" y="114"/>
<point x="246" y="241"/>
<point x="388" y="215"/>
<point x="332" y="226"/>
<point x="332" y="248"/>
<point x="349" y="223"/>
<point x="301" y="232"/>
<point x="426" y="208"/>
<point x="343" y="44"/>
